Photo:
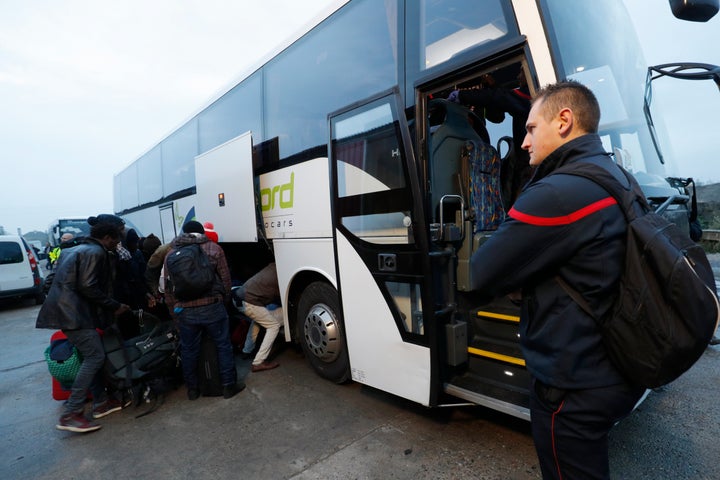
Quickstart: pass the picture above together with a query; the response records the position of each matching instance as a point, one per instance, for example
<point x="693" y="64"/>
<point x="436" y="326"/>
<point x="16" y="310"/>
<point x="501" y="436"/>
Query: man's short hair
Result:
<point x="574" y="95"/>
<point x="66" y="237"/>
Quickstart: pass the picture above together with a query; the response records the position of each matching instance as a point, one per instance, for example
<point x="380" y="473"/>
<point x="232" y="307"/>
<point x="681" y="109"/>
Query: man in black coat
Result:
<point x="564" y="227"/>
<point x="79" y="302"/>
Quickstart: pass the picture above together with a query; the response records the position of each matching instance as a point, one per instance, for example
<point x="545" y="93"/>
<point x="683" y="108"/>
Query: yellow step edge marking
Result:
<point x="497" y="356"/>
<point x="499" y="316"/>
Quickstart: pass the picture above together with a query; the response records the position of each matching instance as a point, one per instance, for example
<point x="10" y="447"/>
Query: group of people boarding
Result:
<point x="101" y="278"/>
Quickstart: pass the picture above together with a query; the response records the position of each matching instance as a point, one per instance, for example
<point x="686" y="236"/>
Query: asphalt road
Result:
<point x="291" y="424"/>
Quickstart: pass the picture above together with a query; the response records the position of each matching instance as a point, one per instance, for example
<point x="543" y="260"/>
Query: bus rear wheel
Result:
<point x="321" y="334"/>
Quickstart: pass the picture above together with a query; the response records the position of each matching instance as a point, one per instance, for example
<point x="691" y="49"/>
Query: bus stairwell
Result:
<point x="481" y="358"/>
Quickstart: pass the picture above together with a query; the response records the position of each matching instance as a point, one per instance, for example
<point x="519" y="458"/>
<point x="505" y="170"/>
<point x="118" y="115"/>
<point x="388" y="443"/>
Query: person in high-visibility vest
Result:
<point x="54" y="254"/>
<point x="65" y="242"/>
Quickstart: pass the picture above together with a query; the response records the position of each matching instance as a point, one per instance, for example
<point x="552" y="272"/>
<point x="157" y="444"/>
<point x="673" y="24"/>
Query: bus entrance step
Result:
<point x="503" y="350"/>
<point x="488" y="393"/>
<point x="485" y="367"/>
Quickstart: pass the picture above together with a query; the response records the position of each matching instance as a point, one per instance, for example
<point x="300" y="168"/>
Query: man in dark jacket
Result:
<point x="78" y="302"/>
<point x="262" y="291"/>
<point x="564" y="228"/>
<point x="207" y="313"/>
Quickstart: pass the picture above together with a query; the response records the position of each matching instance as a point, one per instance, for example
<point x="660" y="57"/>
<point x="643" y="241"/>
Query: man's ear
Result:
<point x="566" y="121"/>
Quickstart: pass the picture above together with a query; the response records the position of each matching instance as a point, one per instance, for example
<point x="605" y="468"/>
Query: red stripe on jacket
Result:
<point x="563" y="219"/>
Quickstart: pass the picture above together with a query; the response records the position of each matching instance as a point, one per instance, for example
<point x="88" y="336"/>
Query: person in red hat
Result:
<point x="210" y="232"/>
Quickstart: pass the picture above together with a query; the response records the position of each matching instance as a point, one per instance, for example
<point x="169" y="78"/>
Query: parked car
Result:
<point x="20" y="273"/>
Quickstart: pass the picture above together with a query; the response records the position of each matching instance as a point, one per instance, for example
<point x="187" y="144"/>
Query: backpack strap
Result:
<point x="576" y="296"/>
<point x="626" y="197"/>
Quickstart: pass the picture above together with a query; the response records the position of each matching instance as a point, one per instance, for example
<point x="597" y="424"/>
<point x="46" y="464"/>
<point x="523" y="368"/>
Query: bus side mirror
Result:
<point x="695" y="10"/>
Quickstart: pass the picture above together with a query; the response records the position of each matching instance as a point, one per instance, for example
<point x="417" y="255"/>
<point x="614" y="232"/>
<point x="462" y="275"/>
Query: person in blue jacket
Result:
<point x="564" y="228"/>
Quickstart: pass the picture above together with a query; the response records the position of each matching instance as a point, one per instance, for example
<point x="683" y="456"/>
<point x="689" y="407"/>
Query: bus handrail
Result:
<point x="672" y="200"/>
<point x="462" y="215"/>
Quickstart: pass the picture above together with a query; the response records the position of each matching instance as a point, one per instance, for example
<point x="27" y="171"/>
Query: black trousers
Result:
<point x="570" y="428"/>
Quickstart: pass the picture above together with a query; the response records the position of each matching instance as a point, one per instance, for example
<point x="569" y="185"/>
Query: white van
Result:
<point x="20" y="274"/>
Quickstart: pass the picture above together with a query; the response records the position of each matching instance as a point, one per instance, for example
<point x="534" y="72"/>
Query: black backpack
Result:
<point x="667" y="309"/>
<point x="190" y="273"/>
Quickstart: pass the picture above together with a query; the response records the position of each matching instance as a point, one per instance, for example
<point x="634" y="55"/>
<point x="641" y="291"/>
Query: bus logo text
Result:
<point x="279" y="195"/>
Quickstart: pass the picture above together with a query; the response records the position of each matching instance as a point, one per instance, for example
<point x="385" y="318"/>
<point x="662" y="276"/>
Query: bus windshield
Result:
<point x="78" y="227"/>
<point x="595" y="43"/>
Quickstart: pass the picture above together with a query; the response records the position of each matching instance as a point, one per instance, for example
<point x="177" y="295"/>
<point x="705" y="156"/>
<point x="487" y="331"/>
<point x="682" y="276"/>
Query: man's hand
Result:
<point x="515" y="297"/>
<point x="150" y="300"/>
<point x="122" y="309"/>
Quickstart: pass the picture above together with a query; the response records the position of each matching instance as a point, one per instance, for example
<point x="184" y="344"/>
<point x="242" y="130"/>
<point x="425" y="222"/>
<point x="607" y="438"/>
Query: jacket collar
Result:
<point x="585" y="146"/>
<point x="190" y="238"/>
<point x="91" y="240"/>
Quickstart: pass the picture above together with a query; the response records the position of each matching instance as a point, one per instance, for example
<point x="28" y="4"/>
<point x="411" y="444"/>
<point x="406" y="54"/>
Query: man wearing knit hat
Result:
<point x="204" y="314"/>
<point x="107" y="218"/>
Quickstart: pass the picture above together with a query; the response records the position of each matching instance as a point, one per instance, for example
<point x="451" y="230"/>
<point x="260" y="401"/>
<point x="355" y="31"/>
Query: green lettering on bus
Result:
<point x="280" y="195"/>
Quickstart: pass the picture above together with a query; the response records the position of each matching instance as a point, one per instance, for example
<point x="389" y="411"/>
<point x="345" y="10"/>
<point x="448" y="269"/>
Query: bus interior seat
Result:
<point x="463" y="163"/>
<point x="484" y="184"/>
<point x="450" y="128"/>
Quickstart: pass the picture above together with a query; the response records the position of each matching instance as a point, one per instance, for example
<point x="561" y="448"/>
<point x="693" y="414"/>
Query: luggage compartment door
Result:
<point x="225" y="192"/>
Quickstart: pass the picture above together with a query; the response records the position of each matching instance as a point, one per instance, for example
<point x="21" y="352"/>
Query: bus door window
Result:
<point x="376" y="212"/>
<point x="408" y="301"/>
<point x="369" y="161"/>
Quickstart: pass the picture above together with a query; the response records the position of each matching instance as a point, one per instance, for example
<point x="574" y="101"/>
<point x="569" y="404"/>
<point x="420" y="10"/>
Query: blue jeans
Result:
<point x="213" y="319"/>
<point x="252" y="334"/>
<point x="91" y="375"/>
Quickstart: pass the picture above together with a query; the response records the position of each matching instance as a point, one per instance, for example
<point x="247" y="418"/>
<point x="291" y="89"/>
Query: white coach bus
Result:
<point x="341" y="158"/>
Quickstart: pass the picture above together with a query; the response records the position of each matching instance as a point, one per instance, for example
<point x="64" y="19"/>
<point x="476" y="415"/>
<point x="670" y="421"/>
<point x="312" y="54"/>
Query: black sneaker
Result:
<point x="107" y="407"/>
<point x="76" y="422"/>
<point x="230" y="391"/>
<point x="193" y="393"/>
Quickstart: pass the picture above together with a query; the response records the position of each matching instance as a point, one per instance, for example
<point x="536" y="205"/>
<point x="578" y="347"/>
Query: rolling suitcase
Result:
<point x="209" y="382"/>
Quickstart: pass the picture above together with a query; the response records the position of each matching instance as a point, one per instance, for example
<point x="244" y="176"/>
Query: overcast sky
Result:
<point x="87" y="86"/>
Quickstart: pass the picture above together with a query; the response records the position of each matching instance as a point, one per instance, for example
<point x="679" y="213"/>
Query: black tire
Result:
<point x="321" y="333"/>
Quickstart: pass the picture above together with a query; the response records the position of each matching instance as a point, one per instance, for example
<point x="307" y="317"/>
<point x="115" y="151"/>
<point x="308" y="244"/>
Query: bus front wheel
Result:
<point x="321" y="333"/>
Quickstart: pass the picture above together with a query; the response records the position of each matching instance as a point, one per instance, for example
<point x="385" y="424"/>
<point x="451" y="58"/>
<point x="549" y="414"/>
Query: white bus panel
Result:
<point x="224" y="182"/>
